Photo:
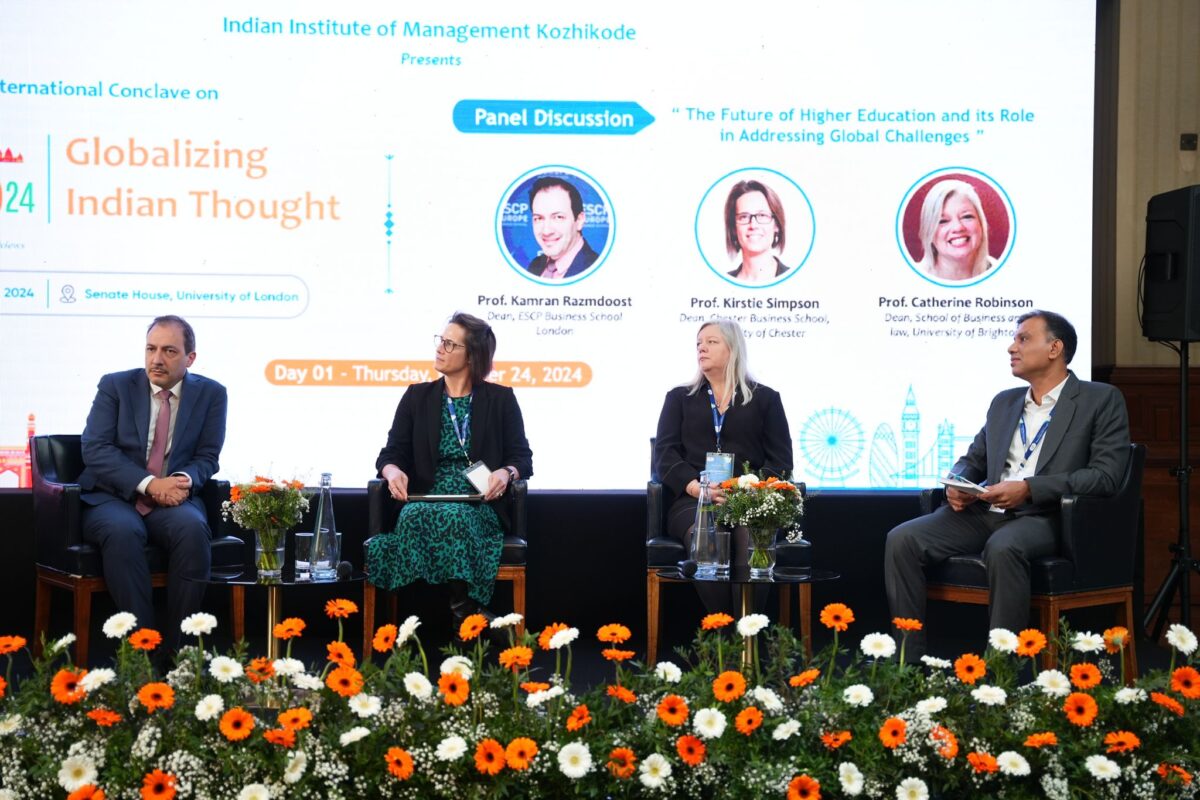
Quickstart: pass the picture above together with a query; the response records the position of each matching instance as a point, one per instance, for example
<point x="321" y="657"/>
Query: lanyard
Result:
<point x="1037" y="439"/>
<point x="718" y="419"/>
<point x="461" y="433"/>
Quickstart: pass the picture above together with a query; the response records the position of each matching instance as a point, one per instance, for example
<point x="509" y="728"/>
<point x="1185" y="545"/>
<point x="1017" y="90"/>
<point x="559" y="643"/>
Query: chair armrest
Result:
<point x="57" y="519"/>
<point x="519" y="491"/>
<point x="654" y="510"/>
<point x="213" y="494"/>
<point x="377" y="498"/>
<point x="931" y="499"/>
<point x="1099" y="534"/>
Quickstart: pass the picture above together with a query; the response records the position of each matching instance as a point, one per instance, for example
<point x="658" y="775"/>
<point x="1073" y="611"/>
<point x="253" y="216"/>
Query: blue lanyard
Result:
<point x="718" y="419"/>
<point x="1037" y="439"/>
<point x="461" y="433"/>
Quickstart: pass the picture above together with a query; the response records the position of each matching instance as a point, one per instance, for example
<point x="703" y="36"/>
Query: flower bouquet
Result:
<point x="269" y="508"/>
<point x="763" y="507"/>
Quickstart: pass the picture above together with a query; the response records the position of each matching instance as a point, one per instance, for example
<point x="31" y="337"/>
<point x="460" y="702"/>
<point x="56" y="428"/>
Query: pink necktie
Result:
<point x="158" y="450"/>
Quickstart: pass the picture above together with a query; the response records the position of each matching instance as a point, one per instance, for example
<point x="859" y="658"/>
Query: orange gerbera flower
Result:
<point x="970" y="668"/>
<point x="289" y="628"/>
<point x="284" y="737"/>
<point x="1030" y="642"/>
<point x="1085" y="675"/>
<point x="1186" y="681"/>
<point x="906" y="624"/>
<point x="472" y="626"/>
<point x="235" y="493"/>
<point x="399" y="762"/>
<point x="3" y="686"/>
<point x="236" y="724"/>
<point x="346" y="681"/>
<point x="534" y="686"/>
<point x="519" y="753"/>
<point x="489" y="757"/>
<point x="714" y="621"/>
<point x="835" y="739"/>
<point x="104" y="717"/>
<point x="454" y="688"/>
<point x="1122" y="741"/>
<point x="613" y="633"/>
<point x="982" y="762"/>
<point x="11" y="644"/>
<point x="802" y="787"/>
<point x="155" y="696"/>
<point x="340" y="608"/>
<point x="385" y="638"/>
<point x="1115" y="639"/>
<point x="691" y="750"/>
<point x="621" y="763"/>
<point x="1167" y="702"/>
<point x="260" y="669"/>
<point x="65" y="686"/>
<point x="948" y="748"/>
<point x="1080" y="709"/>
<point x="893" y="733"/>
<point x="804" y="678"/>
<point x="295" y="718"/>
<point x="622" y="694"/>
<point x="748" y="720"/>
<point x="613" y="654"/>
<point x="87" y="792"/>
<point x="340" y="653"/>
<point x="158" y="785"/>
<point x="548" y="633"/>
<point x="516" y="658"/>
<point x="837" y="616"/>
<point x="1047" y="739"/>
<point x="1172" y="773"/>
<point x="673" y="710"/>
<point x="729" y="686"/>
<point x="579" y="717"/>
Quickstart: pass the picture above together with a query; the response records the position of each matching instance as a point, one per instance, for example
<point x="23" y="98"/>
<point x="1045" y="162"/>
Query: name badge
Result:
<point x="478" y="474"/>
<point x="719" y="466"/>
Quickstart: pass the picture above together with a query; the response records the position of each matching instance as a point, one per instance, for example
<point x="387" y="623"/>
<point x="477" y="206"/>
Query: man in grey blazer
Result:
<point x="1059" y="436"/>
<point x="152" y="439"/>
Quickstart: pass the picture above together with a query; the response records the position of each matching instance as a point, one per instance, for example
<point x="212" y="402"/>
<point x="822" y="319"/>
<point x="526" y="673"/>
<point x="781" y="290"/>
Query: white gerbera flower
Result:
<point x="931" y="705"/>
<point x="654" y="771"/>
<point x="353" y="735"/>
<point x="10" y="724"/>
<point x="912" y="789"/>
<point x="767" y="699"/>
<point x="535" y="699"/>
<point x="752" y="624"/>
<point x="667" y="671"/>
<point x="850" y="778"/>
<point x="1129" y="694"/>
<point x="1053" y="683"/>
<point x="7" y="794"/>
<point x="209" y="707"/>
<point x="709" y="723"/>
<point x="119" y="624"/>
<point x="198" y="624"/>
<point x="96" y="678"/>
<point x="365" y="705"/>
<point x="574" y="760"/>
<point x="76" y="772"/>
<point x="936" y="663"/>
<point x="990" y="695"/>
<point x="563" y="638"/>
<point x="64" y="642"/>
<point x="1012" y="763"/>
<point x="507" y="621"/>
<point x="785" y="730"/>
<point x="1004" y="640"/>
<point x="1181" y="639"/>
<point x="418" y="686"/>
<point x="254" y="791"/>
<point x="451" y="748"/>
<point x="858" y="695"/>
<point x="296" y="765"/>
<point x="308" y="682"/>
<point x="1102" y="768"/>
<point x="1087" y="642"/>
<point x="288" y="666"/>
<point x="225" y="669"/>
<point x="747" y="480"/>
<point x="458" y="664"/>
<point x="878" y="645"/>
<point x="407" y="629"/>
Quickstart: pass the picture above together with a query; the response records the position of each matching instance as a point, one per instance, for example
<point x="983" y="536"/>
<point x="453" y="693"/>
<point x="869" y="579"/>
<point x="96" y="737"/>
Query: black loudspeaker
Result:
<point x="1171" y="279"/>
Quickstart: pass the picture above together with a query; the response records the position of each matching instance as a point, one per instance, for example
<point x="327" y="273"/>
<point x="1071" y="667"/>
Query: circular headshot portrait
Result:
<point x="555" y="225"/>
<point x="754" y="227"/>
<point x="956" y="227"/>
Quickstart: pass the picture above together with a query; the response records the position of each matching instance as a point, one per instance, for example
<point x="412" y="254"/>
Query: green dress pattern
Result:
<point x="441" y="542"/>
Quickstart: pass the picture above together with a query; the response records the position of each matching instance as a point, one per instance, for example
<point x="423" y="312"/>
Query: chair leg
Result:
<point x="1126" y="620"/>
<point x="41" y="616"/>
<point x="518" y="591"/>
<point x="1048" y="619"/>
<point x="785" y="605"/>
<point x="393" y="608"/>
<point x="652" y="585"/>
<point x="805" y="609"/>
<point x="237" y="612"/>
<point x="368" y="623"/>
<point x="83" y="623"/>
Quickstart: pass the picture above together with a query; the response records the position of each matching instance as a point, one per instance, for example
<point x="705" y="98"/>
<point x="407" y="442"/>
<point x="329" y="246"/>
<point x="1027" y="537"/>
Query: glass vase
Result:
<point x="268" y="552"/>
<point x="762" y="553"/>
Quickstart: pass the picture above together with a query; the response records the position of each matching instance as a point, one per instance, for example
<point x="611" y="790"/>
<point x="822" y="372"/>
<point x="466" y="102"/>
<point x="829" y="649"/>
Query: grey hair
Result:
<point x="736" y="372"/>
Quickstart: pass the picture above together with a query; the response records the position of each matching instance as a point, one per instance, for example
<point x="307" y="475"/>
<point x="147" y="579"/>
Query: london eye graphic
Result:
<point x="831" y="443"/>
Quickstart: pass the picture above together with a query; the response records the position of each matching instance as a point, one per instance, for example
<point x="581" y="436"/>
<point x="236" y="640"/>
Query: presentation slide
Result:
<point x="874" y="190"/>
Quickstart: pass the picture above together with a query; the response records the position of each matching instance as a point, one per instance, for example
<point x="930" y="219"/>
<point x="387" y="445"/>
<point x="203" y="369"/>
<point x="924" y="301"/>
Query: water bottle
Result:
<point x="710" y="546"/>
<point x="326" y="548"/>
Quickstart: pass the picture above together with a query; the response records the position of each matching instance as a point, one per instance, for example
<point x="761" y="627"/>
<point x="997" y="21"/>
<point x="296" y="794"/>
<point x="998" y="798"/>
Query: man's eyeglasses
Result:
<point x="445" y="344"/>
<point x="762" y="218"/>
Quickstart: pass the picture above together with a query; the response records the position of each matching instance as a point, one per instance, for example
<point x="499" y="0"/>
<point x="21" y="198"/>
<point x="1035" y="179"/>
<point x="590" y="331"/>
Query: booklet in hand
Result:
<point x="962" y="484"/>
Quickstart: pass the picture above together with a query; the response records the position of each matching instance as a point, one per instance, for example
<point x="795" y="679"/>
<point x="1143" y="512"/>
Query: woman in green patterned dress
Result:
<point x="440" y="429"/>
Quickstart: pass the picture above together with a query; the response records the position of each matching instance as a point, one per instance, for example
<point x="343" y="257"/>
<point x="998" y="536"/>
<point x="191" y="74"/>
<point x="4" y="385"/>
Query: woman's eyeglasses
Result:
<point x="445" y="344"/>
<point x="762" y="218"/>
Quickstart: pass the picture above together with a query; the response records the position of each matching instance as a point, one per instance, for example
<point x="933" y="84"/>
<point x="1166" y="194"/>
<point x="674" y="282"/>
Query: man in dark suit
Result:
<point x="556" y="207"/>
<point x="1059" y="436"/>
<point x="152" y="439"/>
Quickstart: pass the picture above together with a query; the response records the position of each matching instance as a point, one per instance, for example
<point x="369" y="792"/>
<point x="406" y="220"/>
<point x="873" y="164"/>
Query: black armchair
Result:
<point x="1094" y="565"/>
<point x="382" y="511"/>
<point x="66" y="561"/>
